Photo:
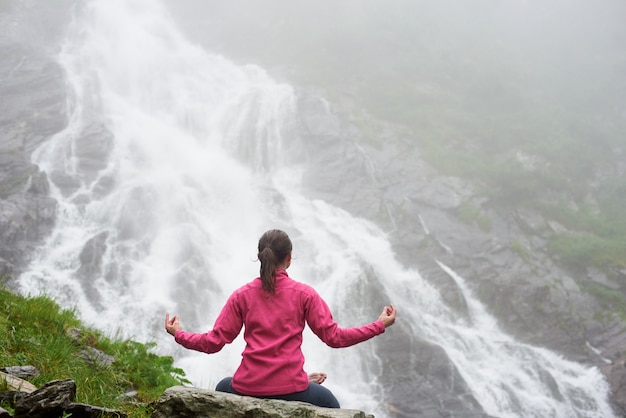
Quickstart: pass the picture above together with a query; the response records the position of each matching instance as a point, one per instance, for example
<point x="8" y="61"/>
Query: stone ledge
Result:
<point x="183" y="401"/>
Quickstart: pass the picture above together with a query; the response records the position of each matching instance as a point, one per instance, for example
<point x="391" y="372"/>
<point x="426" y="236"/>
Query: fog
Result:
<point x="475" y="51"/>
<point x="480" y="77"/>
<point x="493" y="73"/>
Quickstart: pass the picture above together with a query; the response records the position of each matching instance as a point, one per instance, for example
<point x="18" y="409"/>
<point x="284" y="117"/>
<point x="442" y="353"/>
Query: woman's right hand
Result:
<point x="172" y="325"/>
<point x="388" y="316"/>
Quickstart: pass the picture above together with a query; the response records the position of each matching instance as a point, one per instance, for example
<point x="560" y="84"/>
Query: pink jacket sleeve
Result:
<point x="227" y="326"/>
<point x="321" y="322"/>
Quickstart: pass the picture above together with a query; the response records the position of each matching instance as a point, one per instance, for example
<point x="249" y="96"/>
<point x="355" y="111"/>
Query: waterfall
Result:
<point x="169" y="170"/>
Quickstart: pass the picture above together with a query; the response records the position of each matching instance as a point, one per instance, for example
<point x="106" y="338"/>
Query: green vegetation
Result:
<point x="35" y="332"/>
<point x="601" y="238"/>
<point x="526" y="141"/>
<point x="521" y="250"/>
<point x="613" y="300"/>
<point x="472" y="214"/>
<point x="590" y="250"/>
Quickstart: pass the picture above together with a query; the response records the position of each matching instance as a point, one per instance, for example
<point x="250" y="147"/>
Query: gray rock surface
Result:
<point x="187" y="402"/>
<point x="616" y="376"/>
<point x="32" y="109"/>
<point x="49" y="400"/>
<point x="507" y="264"/>
<point x="52" y="400"/>
<point x="23" y="372"/>
<point x="96" y="357"/>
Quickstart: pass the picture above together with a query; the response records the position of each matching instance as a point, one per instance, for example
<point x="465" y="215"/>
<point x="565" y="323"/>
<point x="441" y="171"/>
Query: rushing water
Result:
<point x="169" y="170"/>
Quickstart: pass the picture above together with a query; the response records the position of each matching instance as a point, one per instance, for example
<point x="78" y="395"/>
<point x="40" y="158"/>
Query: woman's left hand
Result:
<point x="317" y="378"/>
<point x="388" y="316"/>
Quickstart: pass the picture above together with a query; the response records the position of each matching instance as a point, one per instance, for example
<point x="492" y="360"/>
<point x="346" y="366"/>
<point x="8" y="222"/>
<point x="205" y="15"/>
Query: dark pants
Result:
<point x="315" y="394"/>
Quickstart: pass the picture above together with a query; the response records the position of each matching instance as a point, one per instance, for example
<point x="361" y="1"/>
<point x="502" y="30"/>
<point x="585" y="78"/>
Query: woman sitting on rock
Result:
<point x="274" y="309"/>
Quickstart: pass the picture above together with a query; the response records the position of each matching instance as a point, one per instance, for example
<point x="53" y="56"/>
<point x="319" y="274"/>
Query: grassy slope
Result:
<point x="35" y="332"/>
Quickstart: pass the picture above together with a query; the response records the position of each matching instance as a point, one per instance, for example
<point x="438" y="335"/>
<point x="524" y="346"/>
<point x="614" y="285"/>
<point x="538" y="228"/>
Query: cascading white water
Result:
<point x="170" y="169"/>
<point x="507" y="378"/>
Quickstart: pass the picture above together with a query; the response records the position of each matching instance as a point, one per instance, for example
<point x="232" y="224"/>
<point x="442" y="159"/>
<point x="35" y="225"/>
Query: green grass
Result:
<point x="35" y="332"/>
<point x="612" y="300"/>
<point x="521" y="250"/>
<point x="472" y="214"/>
<point x="590" y="250"/>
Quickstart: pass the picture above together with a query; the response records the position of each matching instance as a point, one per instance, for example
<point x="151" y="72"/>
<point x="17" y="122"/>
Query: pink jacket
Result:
<point x="272" y="362"/>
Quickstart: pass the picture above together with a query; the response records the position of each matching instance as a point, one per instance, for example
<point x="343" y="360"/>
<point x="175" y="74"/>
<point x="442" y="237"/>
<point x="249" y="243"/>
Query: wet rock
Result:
<point x="27" y="213"/>
<point x="616" y="376"/>
<point x="599" y="277"/>
<point x="506" y="263"/>
<point x="438" y="390"/>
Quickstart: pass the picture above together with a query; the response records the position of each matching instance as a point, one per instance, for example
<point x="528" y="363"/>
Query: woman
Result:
<point x="274" y="309"/>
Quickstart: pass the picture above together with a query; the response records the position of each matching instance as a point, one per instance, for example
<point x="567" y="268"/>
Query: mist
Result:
<point x="480" y="78"/>
<point x="473" y="51"/>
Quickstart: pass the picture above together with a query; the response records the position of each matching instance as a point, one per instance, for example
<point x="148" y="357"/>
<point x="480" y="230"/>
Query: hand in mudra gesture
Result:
<point x="172" y="324"/>
<point x="388" y="316"/>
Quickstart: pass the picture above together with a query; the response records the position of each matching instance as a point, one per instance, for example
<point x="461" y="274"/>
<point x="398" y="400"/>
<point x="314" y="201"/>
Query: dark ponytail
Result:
<point x="274" y="247"/>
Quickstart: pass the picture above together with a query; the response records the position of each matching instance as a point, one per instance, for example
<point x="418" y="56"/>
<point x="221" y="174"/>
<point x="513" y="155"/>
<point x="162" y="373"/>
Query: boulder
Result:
<point x="54" y="399"/>
<point x="50" y="400"/>
<point x="96" y="357"/>
<point x="15" y="383"/>
<point x="23" y="372"/>
<point x="11" y="397"/>
<point x="79" y="410"/>
<point x="187" y="402"/>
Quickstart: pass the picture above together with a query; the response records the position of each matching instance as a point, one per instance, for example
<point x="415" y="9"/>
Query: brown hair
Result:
<point x="274" y="247"/>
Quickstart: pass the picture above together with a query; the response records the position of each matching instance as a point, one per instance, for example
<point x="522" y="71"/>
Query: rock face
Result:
<point x="616" y="376"/>
<point x="187" y="402"/>
<point x="31" y="110"/>
<point x="506" y="263"/>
